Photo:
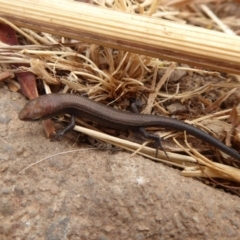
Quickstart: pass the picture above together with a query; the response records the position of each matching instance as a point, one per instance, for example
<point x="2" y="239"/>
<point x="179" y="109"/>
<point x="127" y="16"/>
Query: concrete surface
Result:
<point x="92" y="194"/>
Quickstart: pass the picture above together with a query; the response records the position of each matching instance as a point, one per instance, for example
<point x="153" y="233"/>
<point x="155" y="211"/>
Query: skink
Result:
<point x="51" y="105"/>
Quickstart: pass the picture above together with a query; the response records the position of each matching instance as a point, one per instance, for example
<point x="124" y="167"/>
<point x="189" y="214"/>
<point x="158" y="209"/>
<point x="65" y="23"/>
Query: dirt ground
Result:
<point x="93" y="194"/>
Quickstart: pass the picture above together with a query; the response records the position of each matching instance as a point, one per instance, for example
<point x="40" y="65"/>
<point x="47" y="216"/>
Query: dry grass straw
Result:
<point x="114" y="76"/>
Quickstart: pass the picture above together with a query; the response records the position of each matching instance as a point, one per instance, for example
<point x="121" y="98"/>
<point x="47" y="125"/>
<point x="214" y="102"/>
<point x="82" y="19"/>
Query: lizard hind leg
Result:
<point x="154" y="137"/>
<point x="157" y="140"/>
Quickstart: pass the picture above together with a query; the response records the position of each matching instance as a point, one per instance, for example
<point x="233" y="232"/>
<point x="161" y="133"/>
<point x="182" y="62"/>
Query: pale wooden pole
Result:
<point x="135" y="33"/>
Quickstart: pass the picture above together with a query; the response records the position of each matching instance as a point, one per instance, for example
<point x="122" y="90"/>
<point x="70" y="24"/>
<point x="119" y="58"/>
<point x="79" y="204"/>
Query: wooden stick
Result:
<point x="135" y="33"/>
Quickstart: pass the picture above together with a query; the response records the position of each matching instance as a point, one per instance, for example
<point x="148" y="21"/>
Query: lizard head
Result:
<point x="36" y="109"/>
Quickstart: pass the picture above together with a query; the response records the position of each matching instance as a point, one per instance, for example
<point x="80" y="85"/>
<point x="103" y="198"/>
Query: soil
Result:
<point x="93" y="194"/>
